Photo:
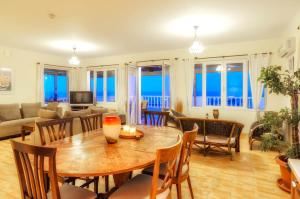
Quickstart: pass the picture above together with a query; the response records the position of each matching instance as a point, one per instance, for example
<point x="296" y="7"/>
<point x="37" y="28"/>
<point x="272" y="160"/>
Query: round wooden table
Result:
<point x="88" y="154"/>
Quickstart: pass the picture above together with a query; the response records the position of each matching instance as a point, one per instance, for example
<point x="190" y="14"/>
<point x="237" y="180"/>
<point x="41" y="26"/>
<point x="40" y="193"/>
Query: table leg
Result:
<point x="23" y="132"/>
<point x="121" y="178"/>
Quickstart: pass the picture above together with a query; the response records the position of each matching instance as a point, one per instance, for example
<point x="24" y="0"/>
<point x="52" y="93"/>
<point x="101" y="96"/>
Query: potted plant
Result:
<point x="287" y="84"/>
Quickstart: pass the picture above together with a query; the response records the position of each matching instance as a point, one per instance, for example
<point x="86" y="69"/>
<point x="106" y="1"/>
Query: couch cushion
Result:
<point x="77" y="113"/>
<point x="99" y="110"/>
<point x="48" y="114"/>
<point x="30" y="109"/>
<point x="13" y="127"/>
<point x="52" y="106"/>
<point x="10" y="112"/>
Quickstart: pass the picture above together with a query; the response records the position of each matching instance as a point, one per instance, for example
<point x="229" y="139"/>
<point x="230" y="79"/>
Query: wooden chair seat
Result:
<point x="138" y="188"/>
<point x="218" y="139"/>
<point x="72" y="192"/>
<point x="199" y="138"/>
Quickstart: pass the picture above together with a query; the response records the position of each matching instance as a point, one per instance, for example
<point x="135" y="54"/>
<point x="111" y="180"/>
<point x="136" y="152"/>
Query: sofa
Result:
<point x="214" y="133"/>
<point x="14" y="116"/>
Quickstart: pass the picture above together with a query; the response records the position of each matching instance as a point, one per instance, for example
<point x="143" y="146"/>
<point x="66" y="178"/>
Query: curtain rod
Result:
<point x="152" y="60"/>
<point x="101" y="65"/>
<point x="58" y="66"/>
<point x="240" y="55"/>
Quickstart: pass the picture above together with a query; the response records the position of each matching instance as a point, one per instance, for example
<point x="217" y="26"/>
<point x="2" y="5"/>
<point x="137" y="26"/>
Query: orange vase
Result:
<point x="111" y="128"/>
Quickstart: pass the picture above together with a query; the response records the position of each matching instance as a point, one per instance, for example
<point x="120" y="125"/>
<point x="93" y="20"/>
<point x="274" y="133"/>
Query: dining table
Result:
<point x="88" y="154"/>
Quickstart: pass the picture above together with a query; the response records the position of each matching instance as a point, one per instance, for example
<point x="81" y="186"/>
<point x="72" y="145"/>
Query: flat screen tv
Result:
<point x="81" y="97"/>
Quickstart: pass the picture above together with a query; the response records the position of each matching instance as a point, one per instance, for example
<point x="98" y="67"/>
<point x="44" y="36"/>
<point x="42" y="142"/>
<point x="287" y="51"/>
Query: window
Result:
<point x="213" y="85"/>
<point x="100" y="86"/>
<point x="234" y="84"/>
<point x="55" y="85"/>
<point x="104" y="85"/>
<point x="225" y="84"/>
<point x="197" y="90"/>
<point x="111" y="86"/>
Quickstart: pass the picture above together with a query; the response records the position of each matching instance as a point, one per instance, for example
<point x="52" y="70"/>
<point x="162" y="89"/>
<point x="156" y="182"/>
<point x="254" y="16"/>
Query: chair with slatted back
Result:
<point x="156" y="118"/>
<point x="90" y="123"/>
<point x="30" y="162"/>
<point x="183" y="163"/>
<point x="146" y="186"/>
<point x="54" y="130"/>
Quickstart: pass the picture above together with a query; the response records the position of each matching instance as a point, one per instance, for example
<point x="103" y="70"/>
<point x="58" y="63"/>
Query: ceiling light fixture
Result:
<point x="196" y="47"/>
<point x="74" y="59"/>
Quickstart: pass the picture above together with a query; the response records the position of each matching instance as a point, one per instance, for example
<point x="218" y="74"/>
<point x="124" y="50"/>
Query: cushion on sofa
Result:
<point x="52" y="106"/>
<point x="99" y="110"/>
<point x="77" y="113"/>
<point x="30" y="109"/>
<point x="48" y="114"/>
<point x="10" y="112"/>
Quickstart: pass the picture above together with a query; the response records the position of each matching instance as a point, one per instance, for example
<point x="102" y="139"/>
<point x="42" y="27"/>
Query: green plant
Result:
<point x="272" y="141"/>
<point x="272" y="124"/>
<point x="287" y="84"/>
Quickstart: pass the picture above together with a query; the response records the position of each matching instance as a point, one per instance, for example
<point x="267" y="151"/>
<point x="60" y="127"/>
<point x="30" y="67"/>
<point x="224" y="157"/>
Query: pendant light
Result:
<point x="196" y="47"/>
<point x="74" y="59"/>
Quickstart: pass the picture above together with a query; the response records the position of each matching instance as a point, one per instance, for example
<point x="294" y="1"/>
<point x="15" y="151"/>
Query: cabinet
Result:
<point x="295" y="192"/>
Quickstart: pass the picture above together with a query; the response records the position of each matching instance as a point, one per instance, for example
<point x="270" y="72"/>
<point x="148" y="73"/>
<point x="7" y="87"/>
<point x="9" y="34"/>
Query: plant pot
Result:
<point x="285" y="181"/>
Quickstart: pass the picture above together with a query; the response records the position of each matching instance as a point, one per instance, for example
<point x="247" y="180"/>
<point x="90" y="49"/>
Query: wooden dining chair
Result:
<point x="90" y="123"/>
<point x="152" y="187"/>
<point x="183" y="163"/>
<point x="53" y="130"/>
<point x="156" y="118"/>
<point x="30" y="162"/>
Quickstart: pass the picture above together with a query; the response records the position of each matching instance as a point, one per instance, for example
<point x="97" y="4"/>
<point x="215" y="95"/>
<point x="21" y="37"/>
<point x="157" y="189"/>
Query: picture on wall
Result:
<point x="5" y="80"/>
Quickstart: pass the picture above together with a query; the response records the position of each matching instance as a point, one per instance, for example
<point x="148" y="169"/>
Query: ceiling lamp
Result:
<point x="196" y="47"/>
<point x="74" y="59"/>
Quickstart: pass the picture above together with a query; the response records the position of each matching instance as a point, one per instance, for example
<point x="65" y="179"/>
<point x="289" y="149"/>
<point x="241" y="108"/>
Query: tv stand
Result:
<point x="77" y="107"/>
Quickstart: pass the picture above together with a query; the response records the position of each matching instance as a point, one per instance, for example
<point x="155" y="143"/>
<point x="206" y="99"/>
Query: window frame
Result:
<point x="104" y="70"/>
<point x="56" y="73"/>
<point x="223" y="63"/>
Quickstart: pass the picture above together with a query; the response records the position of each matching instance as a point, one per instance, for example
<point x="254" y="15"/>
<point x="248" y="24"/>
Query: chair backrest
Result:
<point x="168" y="156"/>
<point x="144" y="105"/>
<point x="156" y="118"/>
<point x="91" y="122"/>
<point x="186" y="152"/>
<point x="55" y="129"/>
<point x="187" y="124"/>
<point x="30" y="162"/>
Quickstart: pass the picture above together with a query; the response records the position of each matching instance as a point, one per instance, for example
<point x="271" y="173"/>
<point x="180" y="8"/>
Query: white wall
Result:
<point x="23" y="64"/>
<point x="244" y="116"/>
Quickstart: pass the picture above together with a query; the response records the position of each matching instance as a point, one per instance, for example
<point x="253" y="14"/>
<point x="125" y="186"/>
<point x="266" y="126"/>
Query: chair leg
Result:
<point x="106" y="184"/>
<point x="96" y="184"/>
<point x="179" y="194"/>
<point x="190" y="187"/>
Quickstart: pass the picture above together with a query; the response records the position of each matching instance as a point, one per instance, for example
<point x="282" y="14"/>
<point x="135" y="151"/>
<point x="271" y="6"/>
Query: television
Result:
<point x="81" y="97"/>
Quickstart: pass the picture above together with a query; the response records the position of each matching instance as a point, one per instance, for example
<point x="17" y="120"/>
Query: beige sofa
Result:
<point x="13" y="117"/>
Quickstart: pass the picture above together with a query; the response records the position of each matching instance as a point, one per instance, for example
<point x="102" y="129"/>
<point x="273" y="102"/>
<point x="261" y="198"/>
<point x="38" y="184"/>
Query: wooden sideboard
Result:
<point x="295" y="178"/>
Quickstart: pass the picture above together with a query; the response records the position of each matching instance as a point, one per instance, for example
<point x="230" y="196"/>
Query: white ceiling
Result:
<point x="110" y="27"/>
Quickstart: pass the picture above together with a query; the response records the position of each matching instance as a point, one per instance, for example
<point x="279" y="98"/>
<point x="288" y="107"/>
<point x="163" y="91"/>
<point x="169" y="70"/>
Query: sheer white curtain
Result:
<point x="256" y="63"/>
<point x="188" y="68"/>
<point x="181" y="73"/>
<point x="121" y="88"/>
<point x="40" y="83"/>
